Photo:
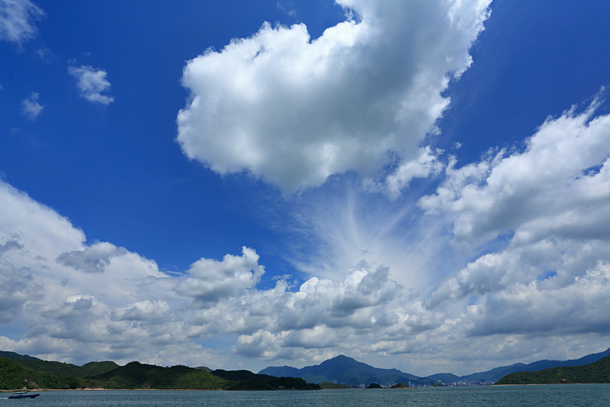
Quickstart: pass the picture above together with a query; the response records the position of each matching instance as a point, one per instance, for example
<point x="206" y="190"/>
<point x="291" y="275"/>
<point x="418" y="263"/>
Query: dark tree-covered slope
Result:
<point x="596" y="372"/>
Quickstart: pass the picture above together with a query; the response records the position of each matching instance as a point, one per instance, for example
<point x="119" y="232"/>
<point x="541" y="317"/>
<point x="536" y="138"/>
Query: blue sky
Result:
<point x="417" y="184"/>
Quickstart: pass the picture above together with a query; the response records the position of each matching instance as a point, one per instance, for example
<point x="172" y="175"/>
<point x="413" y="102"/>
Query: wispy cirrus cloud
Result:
<point x="16" y="20"/>
<point x="91" y="83"/>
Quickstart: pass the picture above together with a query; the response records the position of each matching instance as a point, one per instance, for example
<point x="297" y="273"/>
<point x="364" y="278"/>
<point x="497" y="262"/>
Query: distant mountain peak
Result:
<point x="345" y="370"/>
<point x="341" y="359"/>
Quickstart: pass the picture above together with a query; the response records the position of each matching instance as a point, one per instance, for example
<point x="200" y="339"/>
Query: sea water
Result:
<point x="475" y="396"/>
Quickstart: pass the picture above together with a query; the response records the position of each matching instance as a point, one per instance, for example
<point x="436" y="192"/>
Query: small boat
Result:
<point x="23" y="395"/>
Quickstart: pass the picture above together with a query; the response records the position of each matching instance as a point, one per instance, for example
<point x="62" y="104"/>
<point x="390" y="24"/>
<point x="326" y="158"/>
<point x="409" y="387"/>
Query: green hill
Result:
<point x="246" y="380"/>
<point x="60" y="369"/>
<point x="496" y="374"/>
<point x="596" y="372"/>
<point x="137" y="375"/>
<point x="14" y="375"/>
<point x="97" y="368"/>
<point x="13" y="355"/>
<point x="18" y="371"/>
<point x="66" y="369"/>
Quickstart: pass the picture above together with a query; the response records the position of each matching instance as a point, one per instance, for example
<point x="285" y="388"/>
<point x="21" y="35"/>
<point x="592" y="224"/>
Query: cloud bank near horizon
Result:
<point x="293" y="110"/>
<point x="552" y="267"/>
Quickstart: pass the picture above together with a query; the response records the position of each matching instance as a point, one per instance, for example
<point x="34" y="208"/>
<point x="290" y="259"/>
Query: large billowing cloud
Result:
<point x="559" y="185"/>
<point x="84" y="301"/>
<point x="544" y="215"/>
<point x="97" y="301"/>
<point x="294" y="110"/>
<point x="74" y="297"/>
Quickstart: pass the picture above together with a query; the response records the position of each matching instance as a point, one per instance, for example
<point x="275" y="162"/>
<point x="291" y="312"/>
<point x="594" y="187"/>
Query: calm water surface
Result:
<point x="559" y="395"/>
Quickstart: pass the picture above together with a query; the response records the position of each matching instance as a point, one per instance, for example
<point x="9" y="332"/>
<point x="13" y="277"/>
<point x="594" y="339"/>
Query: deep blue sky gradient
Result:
<point x="532" y="60"/>
<point x="117" y="172"/>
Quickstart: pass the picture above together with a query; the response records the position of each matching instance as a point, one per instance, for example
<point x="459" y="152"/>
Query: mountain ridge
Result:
<point x="367" y="374"/>
<point x="497" y="373"/>
<point x="37" y="373"/>
<point x="345" y="370"/>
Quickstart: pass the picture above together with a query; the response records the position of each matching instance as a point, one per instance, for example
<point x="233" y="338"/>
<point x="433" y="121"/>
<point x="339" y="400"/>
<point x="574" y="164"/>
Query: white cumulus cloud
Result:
<point x="30" y="107"/>
<point x="92" y="259"/>
<point x="543" y="217"/>
<point x="559" y="185"/>
<point x="91" y="83"/>
<point x="294" y="110"/>
<point x="211" y="280"/>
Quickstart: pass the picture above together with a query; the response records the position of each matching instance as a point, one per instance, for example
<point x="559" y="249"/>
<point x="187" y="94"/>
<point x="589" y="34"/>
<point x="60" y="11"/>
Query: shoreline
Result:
<point x="104" y="389"/>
